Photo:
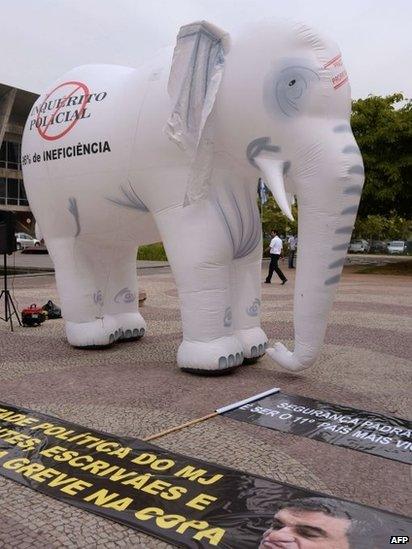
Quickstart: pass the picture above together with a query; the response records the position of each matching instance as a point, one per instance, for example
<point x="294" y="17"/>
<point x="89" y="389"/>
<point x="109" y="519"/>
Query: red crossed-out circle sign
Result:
<point x="65" y="90"/>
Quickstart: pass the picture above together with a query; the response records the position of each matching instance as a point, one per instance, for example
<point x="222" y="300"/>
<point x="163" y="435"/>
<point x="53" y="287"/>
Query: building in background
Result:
<point x="15" y="106"/>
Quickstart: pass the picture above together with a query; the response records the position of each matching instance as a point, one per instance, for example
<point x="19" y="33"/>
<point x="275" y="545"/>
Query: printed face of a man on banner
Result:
<point x="306" y="529"/>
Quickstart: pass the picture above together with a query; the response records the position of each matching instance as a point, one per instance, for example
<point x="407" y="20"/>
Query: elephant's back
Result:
<point x="77" y="141"/>
<point x="79" y="135"/>
<point x="80" y="119"/>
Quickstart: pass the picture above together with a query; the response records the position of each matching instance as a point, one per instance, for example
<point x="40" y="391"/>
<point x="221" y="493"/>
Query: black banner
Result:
<point x="185" y="501"/>
<point x="386" y="436"/>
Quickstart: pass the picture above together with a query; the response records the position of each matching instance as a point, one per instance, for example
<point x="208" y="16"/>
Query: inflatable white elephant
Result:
<point x="114" y="156"/>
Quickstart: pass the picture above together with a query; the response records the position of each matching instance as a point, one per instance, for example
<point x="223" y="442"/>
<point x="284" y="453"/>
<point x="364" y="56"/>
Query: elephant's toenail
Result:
<point x="265" y="345"/>
<point x="222" y="362"/>
<point x="260" y="349"/>
<point x="128" y="333"/>
<point x="141" y="332"/>
<point x="238" y="358"/>
<point x="135" y="332"/>
<point x="231" y="360"/>
<point x="111" y="338"/>
<point x="254" y="351"/>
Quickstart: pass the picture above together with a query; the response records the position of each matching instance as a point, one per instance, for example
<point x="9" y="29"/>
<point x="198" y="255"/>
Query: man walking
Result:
<point x="292" y="242"/>
<point x="275" y="252"/>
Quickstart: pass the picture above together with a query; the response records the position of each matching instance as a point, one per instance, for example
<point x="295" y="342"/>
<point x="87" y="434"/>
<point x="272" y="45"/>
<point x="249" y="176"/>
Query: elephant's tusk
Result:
<point x="273" y="174"/>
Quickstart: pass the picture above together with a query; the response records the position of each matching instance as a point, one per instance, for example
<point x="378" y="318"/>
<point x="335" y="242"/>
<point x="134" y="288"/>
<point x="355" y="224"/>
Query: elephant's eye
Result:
<point x="292" y="88"/>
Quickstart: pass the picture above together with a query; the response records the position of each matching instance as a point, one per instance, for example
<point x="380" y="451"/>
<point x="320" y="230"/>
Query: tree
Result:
<point x="273" y="218"/>
<point x="383" y="130"/>
<point x="378" y="227"/>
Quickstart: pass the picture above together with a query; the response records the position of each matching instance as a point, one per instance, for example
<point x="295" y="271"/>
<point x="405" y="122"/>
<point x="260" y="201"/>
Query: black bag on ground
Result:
<point x="52" y="310"/>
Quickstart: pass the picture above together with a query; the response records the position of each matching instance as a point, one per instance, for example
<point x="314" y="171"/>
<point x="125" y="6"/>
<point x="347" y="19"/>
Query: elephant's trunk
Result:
<point x="327" y="212"/>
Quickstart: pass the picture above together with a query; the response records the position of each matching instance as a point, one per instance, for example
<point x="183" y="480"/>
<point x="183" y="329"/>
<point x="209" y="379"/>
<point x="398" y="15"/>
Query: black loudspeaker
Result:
<point x="7" y="230"/>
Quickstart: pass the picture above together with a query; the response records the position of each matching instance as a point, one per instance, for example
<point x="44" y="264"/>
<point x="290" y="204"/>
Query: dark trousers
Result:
<point x="274" y="258"/>
<point x="291" y="259"/>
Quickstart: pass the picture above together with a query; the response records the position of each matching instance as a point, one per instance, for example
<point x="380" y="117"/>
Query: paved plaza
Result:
<point x="135" y="389"/>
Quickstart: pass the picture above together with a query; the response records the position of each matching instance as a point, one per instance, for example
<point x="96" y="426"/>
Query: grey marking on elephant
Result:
<point x="187" y="32"/>
<point x="351" y="149"/>
<point x="342" y="128"/>
<point x="349" y="210"/>
<point x="227" y="320"/>
<point x="253" y="310"/>
<point x="258" y="145"/>
<point x="194" y="61"/>
<point x="98" y="298"/>
<point x="241" y="220"/>
<point x="125" y="295"/>
<point x="286" y="167"/>
<point x="291" y="86"/>
<point x="129" y="200"/>
<point x="254" y="232"/>
<point x="353" y="189"/>
<point x="332" y="280"/>
<point x="74" y="210"/>
<point x="358" y="169"/>
<point x="340" y="247"/>
<point x="337" y="263"/>
<point x="203" y="59"/>
<point x="344" y="230"/>
<point x="222" y="362"/>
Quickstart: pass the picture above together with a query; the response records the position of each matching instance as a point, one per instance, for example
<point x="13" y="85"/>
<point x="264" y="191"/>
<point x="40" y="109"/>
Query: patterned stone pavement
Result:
<point x="364" y="363"/>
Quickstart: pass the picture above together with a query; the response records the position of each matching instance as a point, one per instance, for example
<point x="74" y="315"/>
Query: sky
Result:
<point x="41" y="39"/>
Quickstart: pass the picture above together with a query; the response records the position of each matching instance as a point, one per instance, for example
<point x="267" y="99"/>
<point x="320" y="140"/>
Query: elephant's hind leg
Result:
<point x="81" y="298"/>
<point x="121" y="293"/>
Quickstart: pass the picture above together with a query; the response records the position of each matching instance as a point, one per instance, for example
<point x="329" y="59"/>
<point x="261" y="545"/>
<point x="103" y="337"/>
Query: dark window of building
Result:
<point x="13" y="155"/>
<point x="2" y="190"/>
<point x="3" y="154"/>
<point x="22" y="195"/>
<point x="10" y="155"/>
<point x="12" y="191"/>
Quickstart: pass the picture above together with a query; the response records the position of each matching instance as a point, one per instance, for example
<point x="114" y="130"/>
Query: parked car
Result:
<point x="378" y="247"/>
<point x="359" y="246"/>
<point x="397" y="247"/>
<point x="24" y="240"/>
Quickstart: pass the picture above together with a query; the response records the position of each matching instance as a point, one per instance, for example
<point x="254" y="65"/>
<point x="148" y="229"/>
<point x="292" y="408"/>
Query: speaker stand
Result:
<point x="9" y="307"/>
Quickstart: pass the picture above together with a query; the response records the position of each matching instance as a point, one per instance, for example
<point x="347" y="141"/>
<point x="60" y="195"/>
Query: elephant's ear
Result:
<point x="195" y="77"/>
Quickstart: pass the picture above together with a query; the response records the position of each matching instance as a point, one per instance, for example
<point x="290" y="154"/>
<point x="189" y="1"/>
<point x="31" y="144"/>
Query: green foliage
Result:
<point x="152" y="252"/>
<point x="378" y="227"/>
<point x="273" y="218"/>
<point x="383" y="129"/>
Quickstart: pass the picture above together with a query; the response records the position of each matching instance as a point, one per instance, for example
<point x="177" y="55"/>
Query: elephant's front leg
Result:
<point x="200" y="254"/>
<point x="241" y="215"/>
<point x="246" y="300"/>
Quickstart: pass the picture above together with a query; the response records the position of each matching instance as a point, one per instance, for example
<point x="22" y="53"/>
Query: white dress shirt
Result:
<point x="276" y="245"/>
<point x="293" y="241"/>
